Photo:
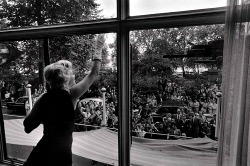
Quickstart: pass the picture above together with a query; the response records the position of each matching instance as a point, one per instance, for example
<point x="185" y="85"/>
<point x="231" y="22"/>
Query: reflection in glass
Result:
<point x="176" y="74"/>
<point x="142" y="7"/>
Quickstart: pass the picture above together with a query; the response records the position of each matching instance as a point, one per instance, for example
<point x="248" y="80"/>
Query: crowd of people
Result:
<point x="89" y="115"/>
<point x="12" y="93"/>
<point x="181" y="125"/>
<point x="189" y="120"/>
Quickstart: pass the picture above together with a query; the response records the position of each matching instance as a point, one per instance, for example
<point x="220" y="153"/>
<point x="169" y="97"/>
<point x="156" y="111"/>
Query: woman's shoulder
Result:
<point x="41" y="97"/>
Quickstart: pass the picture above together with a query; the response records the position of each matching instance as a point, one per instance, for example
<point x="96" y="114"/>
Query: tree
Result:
<point x="149" y="47"/>
<point x="171" y="41"/>
<point x="19" y="13"/>
<point x="38" y="12"/>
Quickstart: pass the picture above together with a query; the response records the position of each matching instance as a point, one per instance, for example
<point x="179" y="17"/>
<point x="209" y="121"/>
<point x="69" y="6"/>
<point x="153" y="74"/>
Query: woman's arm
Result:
<point x="80" y="88"/>
<point x="34" y="118"/>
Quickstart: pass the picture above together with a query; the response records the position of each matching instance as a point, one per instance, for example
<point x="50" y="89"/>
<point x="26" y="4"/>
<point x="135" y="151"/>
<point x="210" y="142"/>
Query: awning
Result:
<point x="102" y="145"/>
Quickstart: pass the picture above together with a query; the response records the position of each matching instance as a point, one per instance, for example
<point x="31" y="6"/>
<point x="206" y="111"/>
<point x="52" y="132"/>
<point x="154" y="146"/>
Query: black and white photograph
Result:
<point x="124" y="82"/>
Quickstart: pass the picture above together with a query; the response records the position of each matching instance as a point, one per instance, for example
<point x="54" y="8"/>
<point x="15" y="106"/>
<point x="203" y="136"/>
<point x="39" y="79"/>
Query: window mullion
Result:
<point x="124" y="94"/>
<point x="3" y="149"/>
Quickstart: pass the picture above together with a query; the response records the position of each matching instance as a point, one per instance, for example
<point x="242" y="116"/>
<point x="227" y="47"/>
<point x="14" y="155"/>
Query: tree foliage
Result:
<point x="21" y="13"/>
<point x="149" y="47"/>
<point x="24" y="55"/>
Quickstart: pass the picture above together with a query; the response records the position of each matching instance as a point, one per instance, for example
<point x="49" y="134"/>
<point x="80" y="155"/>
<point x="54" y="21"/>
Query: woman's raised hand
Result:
<point x="99" y="43"/>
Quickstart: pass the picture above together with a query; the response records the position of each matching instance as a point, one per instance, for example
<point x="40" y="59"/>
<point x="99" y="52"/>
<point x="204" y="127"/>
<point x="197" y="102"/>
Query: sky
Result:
<point x="142" y="7"/>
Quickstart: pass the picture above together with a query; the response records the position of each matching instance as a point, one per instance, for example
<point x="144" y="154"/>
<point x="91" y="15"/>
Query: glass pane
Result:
<point x="19" y="67"/>
<point x="176" y="77"/>
<point x="142" y="7"/>
<point x="91" y="139"/>
<point x="33" y="13"/>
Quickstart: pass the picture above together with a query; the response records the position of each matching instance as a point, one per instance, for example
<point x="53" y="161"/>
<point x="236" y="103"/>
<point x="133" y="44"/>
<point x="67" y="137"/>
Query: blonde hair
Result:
<point x="58" y="74"/>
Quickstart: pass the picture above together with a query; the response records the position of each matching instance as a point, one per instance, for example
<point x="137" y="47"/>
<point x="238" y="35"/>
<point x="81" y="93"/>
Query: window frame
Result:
<point x="121" y="25"/>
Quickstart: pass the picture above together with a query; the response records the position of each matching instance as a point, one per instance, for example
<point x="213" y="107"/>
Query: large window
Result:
<point x="176" y="74"/>
<point x="21" y="68"/>
<point x="143" y="55"/>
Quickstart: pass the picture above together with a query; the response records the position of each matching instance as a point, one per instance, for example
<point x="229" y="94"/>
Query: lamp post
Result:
<point x="28" y="86"/>
<point x="104" y="120"/>
<point x="218" y="114"/>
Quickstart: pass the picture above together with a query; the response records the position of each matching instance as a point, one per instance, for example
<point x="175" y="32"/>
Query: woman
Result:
<point x="55" y="110"/>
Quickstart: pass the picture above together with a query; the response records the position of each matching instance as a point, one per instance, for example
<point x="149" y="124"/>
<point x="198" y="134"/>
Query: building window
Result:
<point x="125" y="28"/>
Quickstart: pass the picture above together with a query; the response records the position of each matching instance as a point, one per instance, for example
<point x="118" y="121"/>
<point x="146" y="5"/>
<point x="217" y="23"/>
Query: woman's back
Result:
<point x="59" y="113"/>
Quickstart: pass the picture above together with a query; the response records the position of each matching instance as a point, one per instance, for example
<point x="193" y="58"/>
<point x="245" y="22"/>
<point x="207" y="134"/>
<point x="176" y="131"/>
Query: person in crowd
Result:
<point x="7" y="95"/>
<point x="140" y="130"/>
<point x="55" y="110"/>
<point x="184" y="124"/>
<point x="212" y="129"/>
<point x="100" y="105"/>
<point x="177" y="116"/>
<point x="203" y="109"/>
<point x="145" y="112"/>
<point x="159" y="99"/>
<point x="212" y="106"/>
<point x="88" y="112"/>
<point x="202" y="117"/>
<point x="174" y="132"/>
<point x="140" y="110"/>
<point x="98" y="111"/>
<point x="167" y="122"/>
<point x="148" y="127"/>
<point x="190" y="104"/>
<point x="195" y="125"/>
<point x="36" y="92"/>
<point x="92" y="104"/>
<point x="135" y="120"/>
<point x="196" y="105"/>
<point x="169" y="115"/>
<point x="205" y="130"/>
<point x="112" y="120"/>
<point x="80" y="117"/>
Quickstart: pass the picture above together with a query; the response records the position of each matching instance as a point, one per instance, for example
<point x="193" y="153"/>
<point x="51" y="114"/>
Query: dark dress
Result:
<point x="56" y="112"/>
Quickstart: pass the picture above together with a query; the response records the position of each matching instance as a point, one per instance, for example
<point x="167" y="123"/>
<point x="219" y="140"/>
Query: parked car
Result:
<point x="162" y="111"/>
<point x="18" y="106"/>
<point x="157" y="118"/>
<point x="165" y="109"/>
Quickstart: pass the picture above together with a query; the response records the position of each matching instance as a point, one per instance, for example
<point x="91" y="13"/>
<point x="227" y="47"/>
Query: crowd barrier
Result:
<point x="115" y="129"/>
